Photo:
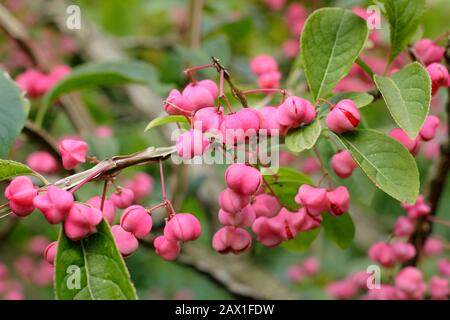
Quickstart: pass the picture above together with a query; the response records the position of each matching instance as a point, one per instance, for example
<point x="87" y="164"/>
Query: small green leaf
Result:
<point x="92" y="268"/>
<point x="331" y="41"/>
<point x="340" y="229"/>
<point x="302" y="241"/>
<point x="361" y="99"/>
<point x="407" y="94"/>
<point x="285" y="184"/>
<point x="404" y="19"/>
<point x="303" y="138"/>
<point x="13" y="113"/>
<point x="386" y="162"/>
<point x="10" y="169"/>
<point x="165" y="120"/>
<point x="103" y="73"/>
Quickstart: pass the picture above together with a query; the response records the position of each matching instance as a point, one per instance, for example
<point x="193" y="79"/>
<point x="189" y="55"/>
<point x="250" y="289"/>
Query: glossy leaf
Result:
<point x="303" y="138"/>
<point x="386" y="162"/>
<point x="302" y="241"/>
<point x="165" y="120"/>
<point x="331" y="41"/>
<point x="407" y="94"/>
<point x="340" y="229"/>
<point x="92" y="269"/>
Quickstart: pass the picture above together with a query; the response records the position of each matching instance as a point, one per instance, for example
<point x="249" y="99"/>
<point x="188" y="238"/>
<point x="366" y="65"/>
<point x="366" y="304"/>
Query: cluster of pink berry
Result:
<point x="266" y="69"/>
<point x="297" y="273"/>
<point x="36" y="83"/>
<point x="427" y="133"/>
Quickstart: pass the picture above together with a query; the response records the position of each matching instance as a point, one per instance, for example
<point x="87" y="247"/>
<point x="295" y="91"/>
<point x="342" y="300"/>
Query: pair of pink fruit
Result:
<point x="266" y="69"/>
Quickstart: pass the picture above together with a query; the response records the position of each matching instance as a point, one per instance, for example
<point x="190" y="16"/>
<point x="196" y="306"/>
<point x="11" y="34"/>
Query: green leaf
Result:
<point x="103" y="73"/>
<point x="303" y="138"/>
<point x="285" y="184"/>
<point x="12" y="113"/>
<point x="340" y="229"/>
<point x="96" y="262"/>
<point x="10" y="169"/>
<point x="407" y="94"/>
<point x="302" y="241"/>
<point x="404" y="18"/>
<point x="361" y="99"/>
<point x="165" y="120"/>
<point x="386" y="162"/>
<point x="331" y="41"/>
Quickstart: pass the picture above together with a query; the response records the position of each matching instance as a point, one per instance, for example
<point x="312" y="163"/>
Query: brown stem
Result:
<point x="226" y="75"/>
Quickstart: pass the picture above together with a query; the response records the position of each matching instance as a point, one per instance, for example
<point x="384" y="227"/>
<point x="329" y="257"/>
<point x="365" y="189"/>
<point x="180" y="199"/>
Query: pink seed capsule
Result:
<point x="136" y="219"/>
<point x="243" y="179"/>
<point x="232" y="201"/>
<point x="409" y="284"/>
<point x="201" y="94"/>
<point x="141" y="185"/>
<point x="432" y="246"/>
<point x="50" y="252"/>
<point x="295" y="111"/>
<point x="343" y="164"/>
<point x="269" y="80"/>
<point x="313" y="199"/>
<point x="20" y="194"/>
<point x="404" y="227"/>
<point x="54" y="204"/>
<point x="126" y="241"/>
<point x="73" y="152"/>
<point x="81" y="221"/>
<point x="428" y="51"/>
<point x="177" y="104"/>
<point x="109" y="209"/>
<point x="166" y="249"/>
<point x="382" y="253"/>
<point x="308" y="221"/>
<point x="439" y="288"/>
<point x="429" y="128"/>
<point x="417" y="210"/>
<point x="343" y="117"/>
<point x="231" y="239"/>
<point x="413" y="145"/>
<point x="439" y="77"/>
<point x="240" y="126"/>
<point x="42" y="162"/>
<point x="291" y="221"/>
<point x="403" y="251"/>
<point x="263" y="64"/>
<point x="270" y="123"/>
<point x="191" y="144"/>
<point x="244" y="218"/>
<point x="182" y="227"/>
<point x="338" y="201"/>
<point x="268" y="231"/>
<point x="122" y="198"/>
<point x="266" y="205"/>
<point x="209" y="119"/>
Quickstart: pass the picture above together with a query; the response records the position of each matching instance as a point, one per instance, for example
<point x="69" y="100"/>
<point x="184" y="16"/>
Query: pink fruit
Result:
<point x="382" y="253"/>
<point x="126" y="241"/>
<point x="404" y="227"/>
<point x="109" y="209"/>
<point x="240" y="126"/>
<point x="338" y="201"/>
<point x="231" y="239"/>
<point x="20" y="194"/>
<point x="403" y="251"/>
<point x="243" y="218"/>
<point x="266" y="205"/>
<point x="182" y="227"/>
<point x="343" y="164"/>
<point x="439" y="77"/>
<point x="136" y="219"/>
<point x="50" y="252"/>
<point x="42" y="162"/>
<point x="432" y="246"/>
<point x="54" y="204"/>
<point x="168" y="250"/>
<point x="268" y="231"/>
<point x="269" y="80"/>
<point x="417" y="210"/>
<point x="412" y="145"/>
<point x="243" y="179"/>
<point x="409" y="284"/>
<point x="313" y="199"/>
<point x="73" y="152"/>
<point x="232" y="201"/>
<point x="428" y="131"/>
<point x="177" y="104"/>
<point x="342" y="290"/>
<point x="344" y="116"/>
<point x="295" y="111"/>
<point x="81" y="221"/>
<point x="122" y="198"/>
<point x="208" y="119"/>
<point x="201" y="94"/>
<point x="439" y="288"/>
<point x="141" y="185"/>
<point x="263" y="64"/>
<point x="308" y="221"/>
<point x="191" y="144"/>
<point x="269" y="121"/>
<point x="428" y="51"/>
